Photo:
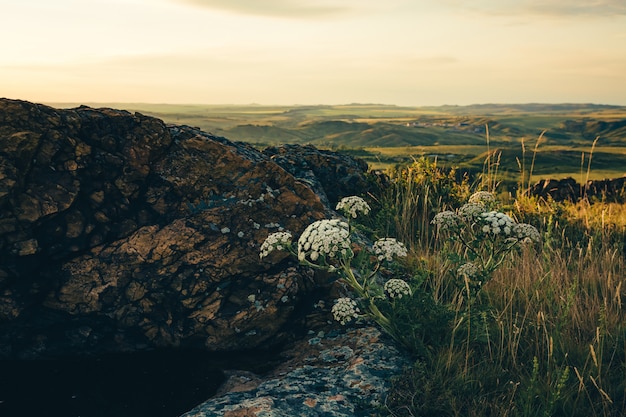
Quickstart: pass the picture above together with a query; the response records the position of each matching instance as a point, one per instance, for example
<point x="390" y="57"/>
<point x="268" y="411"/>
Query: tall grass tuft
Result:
<point x="586" y="183"/>
<point x="415" y="193"/>
<point x="488" y="179"/>
<point x="545" y="336"/>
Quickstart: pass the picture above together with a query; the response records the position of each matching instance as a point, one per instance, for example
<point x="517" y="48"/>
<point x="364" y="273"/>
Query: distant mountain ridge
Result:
<point x="528" y="107"/>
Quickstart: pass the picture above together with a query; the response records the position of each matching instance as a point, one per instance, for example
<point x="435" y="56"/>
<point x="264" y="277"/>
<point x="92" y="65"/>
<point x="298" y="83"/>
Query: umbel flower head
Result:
<point x="471" y="211"/>
<point x="469" y="270"/>
<point x="275" y="241"/>
<point x="484" y="197"/>
<point x="526" y="232"/>
<point x="396" y="288"/>
<point x="388" y="247"/>
<point x="324" y="238"/>
<point x="496" y="223"/>
<point x="446" y="221"/>
<point x="345" y="310"/>
<point x="353" y="205"/>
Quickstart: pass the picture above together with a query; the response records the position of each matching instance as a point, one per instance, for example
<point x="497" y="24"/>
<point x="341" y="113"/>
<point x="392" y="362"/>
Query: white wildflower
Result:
<point x="484" y="197"/>
<point x="327" y="238"/>
<point x="387" y="248"/>
<point x="396" y="288"/>
<point x="496" y="223"/>
<point x="352" y="205"/>
<point x="278" y="241"/>
<point x="469" y="270"/>
<point x="344" y="310"/>
<point x="526" y="232"/>
<point x="446" y="221"/>
<point x="471" y="211"/>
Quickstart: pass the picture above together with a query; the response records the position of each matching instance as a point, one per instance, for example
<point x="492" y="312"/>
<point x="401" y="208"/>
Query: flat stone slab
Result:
<point x="342" y="373"/>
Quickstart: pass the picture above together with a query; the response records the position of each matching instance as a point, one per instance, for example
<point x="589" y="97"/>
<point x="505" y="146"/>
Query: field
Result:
<point x="459" y="136"/>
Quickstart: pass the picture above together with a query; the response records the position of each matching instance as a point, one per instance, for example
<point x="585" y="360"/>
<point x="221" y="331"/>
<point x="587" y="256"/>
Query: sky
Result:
<point x="289" y="52"/>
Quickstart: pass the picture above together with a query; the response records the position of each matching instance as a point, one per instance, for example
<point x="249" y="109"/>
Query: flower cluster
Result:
<point x="471" y="211"/>
<point x="352" y="205"/>
<point x="483" y="197"/>
<point x="496" y="223"/>
<point x="396" y="288"/>
<point x="446" y="221"/>
<point x="275" y="241"/>
<point x="469" y="270"/>
<point x="326" y="238"/>
<point x="526" y="232"/>
<point x="389" y="247"/>
<point x="344" y="310"/>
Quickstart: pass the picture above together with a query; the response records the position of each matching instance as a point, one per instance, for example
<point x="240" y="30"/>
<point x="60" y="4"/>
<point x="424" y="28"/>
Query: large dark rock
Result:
<point x="568" y="189"/>
<point x="119" y="233"/>
<point x="609" y="189"/>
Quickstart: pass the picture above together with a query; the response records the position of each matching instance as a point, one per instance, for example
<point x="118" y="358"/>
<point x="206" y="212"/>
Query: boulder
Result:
<point x="607" y="189"/>
<point x="121" y="233"/>
<point x="568" y="189"/>
<point x="345" y="373"/>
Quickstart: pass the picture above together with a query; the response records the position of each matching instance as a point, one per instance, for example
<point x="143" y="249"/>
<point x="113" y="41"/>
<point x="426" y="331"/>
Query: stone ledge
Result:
<point x="342" y="373"/>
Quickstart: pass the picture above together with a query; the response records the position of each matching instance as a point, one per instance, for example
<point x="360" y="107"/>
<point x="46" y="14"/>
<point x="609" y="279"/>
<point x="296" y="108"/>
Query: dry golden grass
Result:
<point x="546" y="336"/>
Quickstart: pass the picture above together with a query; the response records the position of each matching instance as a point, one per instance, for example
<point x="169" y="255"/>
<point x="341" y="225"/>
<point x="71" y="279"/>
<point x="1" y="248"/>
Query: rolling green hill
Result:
<point x="456" y="135"/>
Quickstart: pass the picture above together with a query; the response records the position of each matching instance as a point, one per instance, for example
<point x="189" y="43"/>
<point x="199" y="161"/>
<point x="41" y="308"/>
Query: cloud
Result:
<point x="277" y="8"/>
<point x="548" y="8"/>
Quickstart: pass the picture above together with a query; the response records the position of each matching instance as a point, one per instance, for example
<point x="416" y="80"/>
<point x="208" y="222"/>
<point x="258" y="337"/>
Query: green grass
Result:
<point x="555" y="161"/>
<point x="545" y="335"/>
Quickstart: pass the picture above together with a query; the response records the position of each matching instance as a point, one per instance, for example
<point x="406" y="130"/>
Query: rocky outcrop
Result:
<point x="331" y="175"/>
<point x="336" y="374"/>
<point x="118" y="233"/>
<point x="609" y="189"/>
<point x="567" y="189"/>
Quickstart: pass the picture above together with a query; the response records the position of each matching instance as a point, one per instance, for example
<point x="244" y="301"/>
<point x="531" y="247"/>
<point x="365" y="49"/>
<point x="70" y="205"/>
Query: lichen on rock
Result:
<point x="121" y="223"/>
<point x="340" y="374"/>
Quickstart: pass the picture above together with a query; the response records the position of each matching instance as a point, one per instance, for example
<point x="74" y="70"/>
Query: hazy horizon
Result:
<point x="323" y="52"/>
<point x="131" y="103"/>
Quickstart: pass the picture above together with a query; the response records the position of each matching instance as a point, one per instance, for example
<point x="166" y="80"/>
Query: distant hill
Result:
<point x="486" y="109"/>
<point x="384" y="135"/>
<point x="614" y="131"/>
<point x="365" y="125"/>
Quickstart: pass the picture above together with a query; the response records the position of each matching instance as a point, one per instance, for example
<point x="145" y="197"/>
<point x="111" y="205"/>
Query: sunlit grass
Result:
<point x="547" y="334"/>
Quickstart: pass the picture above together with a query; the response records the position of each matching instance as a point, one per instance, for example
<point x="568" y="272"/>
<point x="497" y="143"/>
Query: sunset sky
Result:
<point x="405" y="52"/>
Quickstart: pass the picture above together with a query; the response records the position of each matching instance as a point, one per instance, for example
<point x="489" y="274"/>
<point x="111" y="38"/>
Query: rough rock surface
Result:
<point x="119" y="233"/>
<point x="331" y="175"/>
<point x="338" y="374"/>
